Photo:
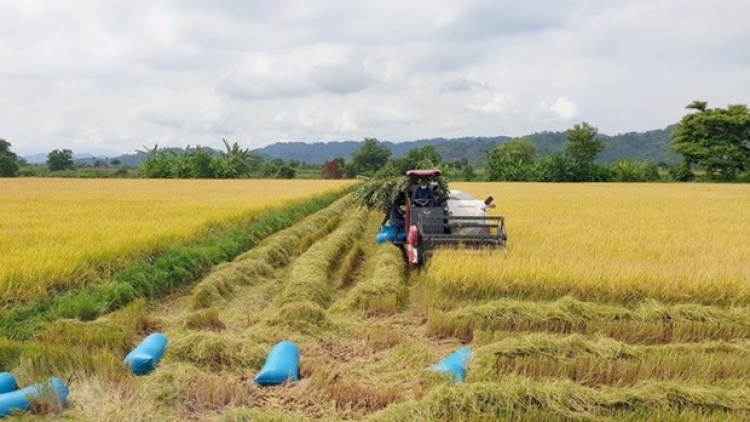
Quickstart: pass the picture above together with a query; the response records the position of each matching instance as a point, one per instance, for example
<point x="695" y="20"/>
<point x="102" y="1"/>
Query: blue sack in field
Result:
<point x="454" y="365"/>
<point x="282" y="364"/>
<point x="386" y="234"/>
<point x="144" y="358"/>
<point x="20" y="400"/>
<point x="390" y="234"/>
<point x="7" y="382"/>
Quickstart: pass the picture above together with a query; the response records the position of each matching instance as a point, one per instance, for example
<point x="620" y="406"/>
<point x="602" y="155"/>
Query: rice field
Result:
<point x="615" y="243"/>
<point x="59" y="232"/>
<point x="611" y="302"/>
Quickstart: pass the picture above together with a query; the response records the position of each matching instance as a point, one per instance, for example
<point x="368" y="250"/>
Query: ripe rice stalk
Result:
<point x="321" y="231"/>
<point x="205" y="319"/>
<point x="301" y="316"/>
<point x="383" y="291"/>
<point x="345" y="273"/>
<point x="254" y="414"/>
<point x="39" y="360"/>
<point x="274" y="252"/>
<point x="89" y="336"/>
<point x="194" y="390"/>
<point x="51" y="243"/>
<point x="647" y="322"/>
<point x="514" y="396"/>
<point x="600" y="360"/>
<point x="347" y="391"/>
<point x="309" y="276"/>
<point x="217" y="352"/>
<point x="10" y="353"/>
<point x="616" y="243"/>
<point x="383" y="337"/>
<point x="134" y="318"/>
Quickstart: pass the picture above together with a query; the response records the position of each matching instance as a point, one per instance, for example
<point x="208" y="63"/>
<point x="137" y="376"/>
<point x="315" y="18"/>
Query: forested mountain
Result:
<point x="651" y="146"/>
<point x="317" y="153"/>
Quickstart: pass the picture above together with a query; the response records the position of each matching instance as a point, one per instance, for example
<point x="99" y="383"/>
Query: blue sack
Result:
<point x="386" y="234"/>
<point x="454" y="365"/>
<point x="7" y="382"/>
<point x="390" y="234"/>
<point x="20" y="400"/>
<point x="282" y="364"/>
<point x="144" y="358"/>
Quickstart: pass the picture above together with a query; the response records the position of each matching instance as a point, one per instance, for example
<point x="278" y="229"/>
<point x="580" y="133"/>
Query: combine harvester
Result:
<point x="453" y="220"/>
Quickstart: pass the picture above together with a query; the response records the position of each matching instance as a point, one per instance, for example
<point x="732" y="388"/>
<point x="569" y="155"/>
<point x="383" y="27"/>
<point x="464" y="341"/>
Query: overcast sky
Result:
<point x="107" y="76"/>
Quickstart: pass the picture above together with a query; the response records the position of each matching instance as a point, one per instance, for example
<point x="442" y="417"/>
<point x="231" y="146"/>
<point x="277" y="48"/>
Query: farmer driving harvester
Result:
<point x="421" y="219"/>
<point x="423" y="195"/>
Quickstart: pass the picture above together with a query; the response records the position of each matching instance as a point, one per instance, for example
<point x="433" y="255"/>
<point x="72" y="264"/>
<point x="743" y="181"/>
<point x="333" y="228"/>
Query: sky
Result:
<point x="107" y="77"/>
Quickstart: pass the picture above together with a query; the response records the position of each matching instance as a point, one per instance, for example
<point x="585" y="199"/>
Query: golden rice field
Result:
<point x="611" y="302"/>
<point x="55" y="232"/>
<point x="611" y="243"/>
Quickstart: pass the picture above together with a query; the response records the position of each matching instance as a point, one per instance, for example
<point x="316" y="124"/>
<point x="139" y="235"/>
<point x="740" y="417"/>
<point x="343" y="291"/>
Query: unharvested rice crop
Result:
<point x="58" y="232"/>
<point x="616" y="243"/>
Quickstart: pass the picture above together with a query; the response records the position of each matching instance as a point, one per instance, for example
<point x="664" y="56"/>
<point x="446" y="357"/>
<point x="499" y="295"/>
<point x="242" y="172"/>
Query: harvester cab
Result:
<point x="433" y="219"/>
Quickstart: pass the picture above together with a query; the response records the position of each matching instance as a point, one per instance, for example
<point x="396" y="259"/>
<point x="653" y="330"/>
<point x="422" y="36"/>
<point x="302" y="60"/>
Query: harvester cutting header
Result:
<point x="423" y="215"/>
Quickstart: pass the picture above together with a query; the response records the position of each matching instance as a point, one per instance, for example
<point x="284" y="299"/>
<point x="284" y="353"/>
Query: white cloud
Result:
<point x="492" y="103"/>
<point x="91" y="73"/>
<point x="565" y="109"/>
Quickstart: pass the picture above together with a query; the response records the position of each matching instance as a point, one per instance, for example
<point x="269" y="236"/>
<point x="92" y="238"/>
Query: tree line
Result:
<point x="714" y="144"/>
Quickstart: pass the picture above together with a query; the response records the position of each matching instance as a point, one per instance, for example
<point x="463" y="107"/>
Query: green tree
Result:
<point x="581" y="150"/>
<point x="635" y="171"/>
<point x="180" y="165"/>
<point x="369" y="158"/>
<point x="9" y="162"/>
<point x="201" y="164"/>
<point x="236" y="162"/>
<point x="285" y="171"/>
<point x="271" y="168"/>
<point x="582" y="146"/>
<point x="511" y="161"/>
<point x="417" y="158"/>
<point x="468" y="174"/>
<point x="156" y="164"/>
<point x="58" y="160"/>
<point x="555" y="167"/>
<point x="716" y="140"/>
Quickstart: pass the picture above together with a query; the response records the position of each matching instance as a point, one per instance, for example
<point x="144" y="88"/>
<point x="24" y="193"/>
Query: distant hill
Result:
<point x="319" y="152"/>
<point x="129" y="160"/>
<point x="651" y="146"/>
<point x="42" y="158"/>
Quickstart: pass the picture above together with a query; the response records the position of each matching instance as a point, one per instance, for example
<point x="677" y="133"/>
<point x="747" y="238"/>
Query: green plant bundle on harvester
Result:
<point x="422" y="214"/>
